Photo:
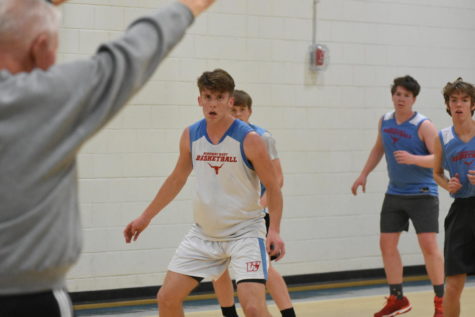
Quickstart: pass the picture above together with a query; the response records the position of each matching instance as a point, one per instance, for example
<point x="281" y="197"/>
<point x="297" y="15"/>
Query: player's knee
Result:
<point x="166" y="298"/>
<point x="431" y="251"/>
<point x="453" y="289"/>
<point x="389" y="250"/>
<point x="251" y="310"/>
<point x="254" y="309"/>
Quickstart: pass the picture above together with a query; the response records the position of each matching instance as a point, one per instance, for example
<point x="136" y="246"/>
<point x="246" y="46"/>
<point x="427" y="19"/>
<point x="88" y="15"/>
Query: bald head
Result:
<point x="22" y="23"/>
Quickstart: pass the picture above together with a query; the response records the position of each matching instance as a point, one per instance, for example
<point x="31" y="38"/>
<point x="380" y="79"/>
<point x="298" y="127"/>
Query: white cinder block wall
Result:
<point x="325" y="125"/>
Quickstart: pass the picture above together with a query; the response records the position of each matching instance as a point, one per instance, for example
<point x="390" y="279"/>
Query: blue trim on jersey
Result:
<point x="262" y="246"/>
<point x="197" y="130"/>
<point x="263" y="189"/>
<point x="238" y="131"/>
<point x="458" y="158"/>
<point x="258" y="129"/>
<point x="405" y="179"/>
<point x="243" y="154"/>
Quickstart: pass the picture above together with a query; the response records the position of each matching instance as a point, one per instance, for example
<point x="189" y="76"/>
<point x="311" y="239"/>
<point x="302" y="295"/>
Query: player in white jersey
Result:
<point x="242" y="109"/>
<point x="229" y="160"/>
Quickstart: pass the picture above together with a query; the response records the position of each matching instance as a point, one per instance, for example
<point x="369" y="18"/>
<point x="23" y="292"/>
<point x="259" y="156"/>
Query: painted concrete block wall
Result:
<point x="324" y="123"/>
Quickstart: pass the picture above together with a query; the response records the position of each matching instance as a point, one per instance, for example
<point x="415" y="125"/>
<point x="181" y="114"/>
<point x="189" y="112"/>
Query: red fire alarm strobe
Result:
<point x="319" y="55"/>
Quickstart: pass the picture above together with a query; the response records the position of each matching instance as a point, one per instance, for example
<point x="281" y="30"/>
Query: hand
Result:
<point x="135" y="228"/>
<point x="471" y="177"/>
<point x="403" y="157"/>
<point x="197" y="6"/>
<point x="454" y="184"/>
<point x="57" y="2"/>
<point x="274" y="245"/>
<point x="360" y="181"/>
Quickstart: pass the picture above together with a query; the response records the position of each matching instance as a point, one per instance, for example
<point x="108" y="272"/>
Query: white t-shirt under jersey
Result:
<point x="226" y="204"/>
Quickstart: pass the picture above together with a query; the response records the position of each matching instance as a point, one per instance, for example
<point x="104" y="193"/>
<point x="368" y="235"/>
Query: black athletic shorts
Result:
<point x="459" y="246"/>
<point x="423" y="210"/>
<point x="44" y="304"/>
<point x="267" y="219"/>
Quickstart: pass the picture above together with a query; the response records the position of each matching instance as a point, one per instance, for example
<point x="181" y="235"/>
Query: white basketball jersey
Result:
<point x="226" y="204"/>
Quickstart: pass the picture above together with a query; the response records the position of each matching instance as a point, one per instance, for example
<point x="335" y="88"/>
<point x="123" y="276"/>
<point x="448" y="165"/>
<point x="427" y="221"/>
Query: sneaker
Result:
<point x="439" y="310"/>
<point x="394" y="307"/>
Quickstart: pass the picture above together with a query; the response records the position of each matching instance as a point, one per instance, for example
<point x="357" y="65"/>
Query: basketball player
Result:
<point x="406" y="138"/>
<point x="455" y="152"/>
<point x="47" y="112"/>
<point x="242" y="109"/>
<point x="228" y="159"/>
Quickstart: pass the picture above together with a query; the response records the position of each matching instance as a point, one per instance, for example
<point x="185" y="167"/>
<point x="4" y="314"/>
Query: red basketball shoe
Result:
<point x="394" y="307"/>
<point x="439" y="310"/>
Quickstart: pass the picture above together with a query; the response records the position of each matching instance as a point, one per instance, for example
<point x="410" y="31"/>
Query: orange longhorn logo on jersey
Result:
<point x="253" y="266"/>
<point x="216" y="168"/>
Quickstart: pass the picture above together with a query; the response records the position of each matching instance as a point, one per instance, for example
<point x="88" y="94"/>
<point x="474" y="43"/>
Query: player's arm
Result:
<point x="256" y="152"/>
<point x="168" y="191"/>
<point x="280" y="179"/>
<point x="373" y="160"/>
<point x="278" y="172"/>
<point x="439" y="175"/>
<point x="272" y="150"/>
<point x="453" y="184"/>
<point x="122" y="66"/>
<point x="427" y="133"/>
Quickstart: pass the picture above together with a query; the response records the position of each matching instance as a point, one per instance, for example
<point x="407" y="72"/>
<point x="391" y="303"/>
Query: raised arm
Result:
<point x="121" y="67"/>
<point x="89" y="92"/>
<point x="168" y="191"/>
<point x="373" y="160"/>
<point x="256" y="152"/>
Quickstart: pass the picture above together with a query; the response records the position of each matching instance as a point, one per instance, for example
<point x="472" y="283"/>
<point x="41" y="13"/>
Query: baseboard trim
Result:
<point x="146" y="295"/>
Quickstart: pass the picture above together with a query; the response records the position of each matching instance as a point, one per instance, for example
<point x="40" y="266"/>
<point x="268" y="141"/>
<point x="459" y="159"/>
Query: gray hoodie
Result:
<point x="45" y="117"/>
